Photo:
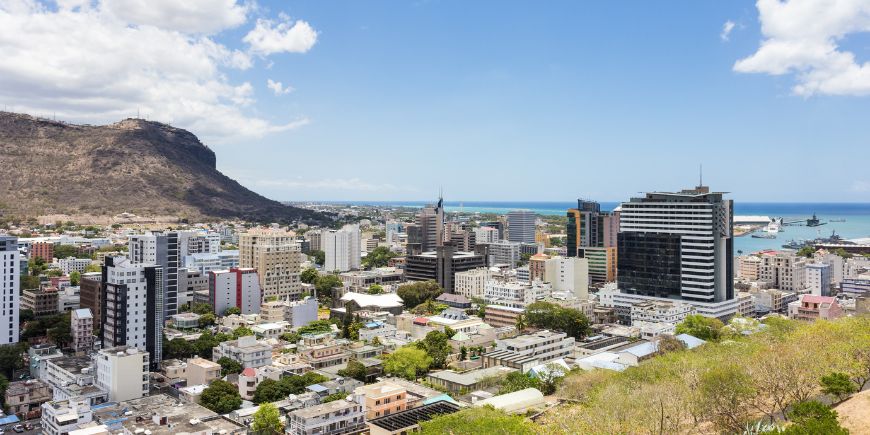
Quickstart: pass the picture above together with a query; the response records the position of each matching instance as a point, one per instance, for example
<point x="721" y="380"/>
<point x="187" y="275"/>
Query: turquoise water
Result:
<point x="856" y="216"/>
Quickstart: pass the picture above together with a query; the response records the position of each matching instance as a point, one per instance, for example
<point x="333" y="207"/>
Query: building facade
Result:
<point x="342" y="249"/>
<point x="238" y="287"/>
<point x="521" y="226"/>
<point x="10" y="284"/>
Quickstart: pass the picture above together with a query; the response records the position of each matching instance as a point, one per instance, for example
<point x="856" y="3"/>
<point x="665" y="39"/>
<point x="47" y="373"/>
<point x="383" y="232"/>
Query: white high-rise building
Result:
<point x="568" y="274"/>
<point x="163" y="250"/>
<point x="819" y="279"/>
<point x="133" y="313"/>
<point x="277" y="256"/>
<point x="521" y="226"/>
<point x="342" y="249"/>
<point x="504" y="252"/>
<point x="238" y="287"/>
<point x="9" y="285"/>
<point x="472" y="283"/>
<point x="485" y="235"/>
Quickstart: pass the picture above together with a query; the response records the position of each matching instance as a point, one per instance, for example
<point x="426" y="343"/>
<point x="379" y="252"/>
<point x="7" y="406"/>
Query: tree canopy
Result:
<point x="309" y="275"/>
<point x="407" y="362"/>
<point x="267" y="420"/>
<point x="553" y="316"/>
<point x="479" y="420"/>
<point x="221" y="397"/>
<point x="696" y="325"/>
<point x="378" y="257"/>
<point x="436" y="346"/>
<point x="416" y="293"/>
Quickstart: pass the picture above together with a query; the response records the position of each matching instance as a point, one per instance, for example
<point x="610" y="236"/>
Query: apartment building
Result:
<point x="527" y="351"/>
<point x="819" y="279"/>
<point x="73" y="264"/>
<point x="64" y="416"/>
<point x="342" y="249"/>
<point x="332" y="418"/>
<point x="200" y="371"/>
<point x="82" y="329"/>
<point x="472" y="283"/>
<point x="23" y="398"/>
<point x="247" y="351"/>
<point x="811" y="307"/>
<point x="206" y="262"/>
<point x="383" y="398"/>
<point x="660" y="312"/>
<point x="238" y="287"/>
<point x="569" y="274"/>
<point x="123" y="372"/>
<point x="277" y="257"/>
<point x="296" y="313"/>
<point x="785" y="270"/>
<point x="41" y="301"/>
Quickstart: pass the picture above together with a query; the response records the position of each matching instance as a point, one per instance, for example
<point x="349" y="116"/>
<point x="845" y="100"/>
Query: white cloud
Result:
<point x="269" y="37"/>
<point x="348" y="184"/>
<point x="726" y="30"/>
<point x="278" y="88"/>
<point x="861" y="186"/>
<point x="84" y="63"/>
<point x="187" y="16"/>
<point x="802" y="38"/>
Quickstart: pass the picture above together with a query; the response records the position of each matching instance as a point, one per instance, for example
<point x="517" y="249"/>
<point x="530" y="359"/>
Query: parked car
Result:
<point x="18" y="428"/>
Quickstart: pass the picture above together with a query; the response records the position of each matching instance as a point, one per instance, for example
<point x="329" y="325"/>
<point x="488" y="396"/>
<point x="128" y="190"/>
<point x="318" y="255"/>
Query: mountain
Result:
<point x="136" y="166"/>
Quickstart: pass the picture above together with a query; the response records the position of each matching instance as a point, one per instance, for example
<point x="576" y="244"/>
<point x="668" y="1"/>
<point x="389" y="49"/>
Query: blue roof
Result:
<point x="373" y="324"/>
<point x="317" y="388"/>
<point x="443" y="397"/>
<point x="9" y="419"/>
<point x="642" y="349"/>
<point x="690" y="340"/>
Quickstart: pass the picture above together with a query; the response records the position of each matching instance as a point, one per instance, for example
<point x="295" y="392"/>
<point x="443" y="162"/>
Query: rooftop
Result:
<point x="412" y="417"/>
<point x="324" y="408"/>
<point x="471" y="377"/>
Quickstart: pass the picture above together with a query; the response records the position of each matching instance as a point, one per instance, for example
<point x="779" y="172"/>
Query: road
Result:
<point x="37" y="428"/>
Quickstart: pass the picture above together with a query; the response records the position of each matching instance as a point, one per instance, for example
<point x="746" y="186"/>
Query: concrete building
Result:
<point x="819" y="279"/>
<point x="771" y="300"/>
<point x="73" y="264"/>
<point x="122" y="372"/>
<point x="64" y="416"/>
<point x="133" y="313"/>
<point x="161" y="250"/>
<point x="206" y="262"/>
<point x="333" y="418"/>
<point x="503" y="252"/>
<point x="90" y="291"/>
<point x="811" y="307"/>
<point x="521" y="226"/>
<point x="342" y="249"/>
<point x="315" y="239"/>
<point x="512" y="293"/>
<point x="569" y="274"/>
<point x="43" y="250"/>
<point x="857" y="287"/>
<point x="239" y="287"/>
<point x="678" y="246"/>
<point x="201" y="371"/>
<point x="296" y="313"/>
<point x="500" y="315"/>
<point x="602" y="263"/>
<point x="471" y="380"/>
<point x="589" y="227"/>
<point x="472" y="283"/>
<point x="661" y="312"/>
<point x="537" y="267"/>
<point x="24" y="398"/>
<point x="408" y="421"/>
<point x="383" y="398"/>
<point x="10" y="284"/>
<point x="190" y="281"/>
<point x="247" y="351"/>
<point x="527" y="351"/>
<point x="784" y="270"/>
<point x="363" y="279"/>
<point x="749" y="267"/>
<point x="427" y="234"/>
<point x="323" y="350"/>
<point x="277" y="257"/>
<point x="441" y="265"/>
<point x="82" y="329"/>
<point x="41" y="301"/>
<point x="486" y="235"/>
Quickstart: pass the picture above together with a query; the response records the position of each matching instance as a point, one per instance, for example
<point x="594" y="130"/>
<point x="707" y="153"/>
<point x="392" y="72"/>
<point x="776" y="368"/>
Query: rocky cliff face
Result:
<point x="135" y="166"/>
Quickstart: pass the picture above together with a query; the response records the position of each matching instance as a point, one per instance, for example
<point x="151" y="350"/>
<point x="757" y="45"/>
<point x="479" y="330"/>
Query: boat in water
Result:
<point x="764" y="235"/>
<point x="834" y="238"/>
<point x="814" y="221"/>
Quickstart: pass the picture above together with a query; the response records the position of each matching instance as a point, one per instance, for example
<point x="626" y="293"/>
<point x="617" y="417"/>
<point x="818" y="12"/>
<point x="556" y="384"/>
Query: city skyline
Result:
<point x="301" y="101"/>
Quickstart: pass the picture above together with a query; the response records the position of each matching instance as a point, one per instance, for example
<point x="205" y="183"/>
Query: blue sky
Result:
<point x="547" y="101"/>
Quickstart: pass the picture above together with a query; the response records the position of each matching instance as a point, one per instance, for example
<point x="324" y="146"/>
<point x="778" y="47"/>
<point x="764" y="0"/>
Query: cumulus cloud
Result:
<point x="726" y="30"/>
<point x="278" y="88"/>
<point x="187" y="16"/>
<point x="802" y="37"/>
<point x="269" y="37"/>
<point x="84" y="62"/>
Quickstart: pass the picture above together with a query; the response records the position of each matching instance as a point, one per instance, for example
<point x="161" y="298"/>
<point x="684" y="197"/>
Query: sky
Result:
<point x="487" y="100"/>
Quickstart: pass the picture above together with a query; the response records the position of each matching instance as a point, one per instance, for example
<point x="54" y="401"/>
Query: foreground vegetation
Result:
<point x="726" y="386"/>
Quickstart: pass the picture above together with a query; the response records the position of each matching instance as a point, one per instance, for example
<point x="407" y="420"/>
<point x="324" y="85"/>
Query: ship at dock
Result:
<point x="834" y="238"/>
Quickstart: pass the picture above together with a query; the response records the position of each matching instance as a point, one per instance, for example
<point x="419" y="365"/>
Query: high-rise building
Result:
<point x="677" y="246"/>
<point x="503" y="252"/>
<point x="163" y="250"/>
<point x="82" y="329"/>
<point x="10" y="283"/>
<point x="90" y="292"/>
<point x="342" y="249"/>
<point x="441" y="265"/>
<point x="237" y="287"/>
<point x="43" y="250"/>
<point x="521" y="226"/>
<point x="589" y="227"/>
<point x="568" y="274"/>
<point x="133" y="306"/>
<point x="486" y="235"/>
<point x="122" y="372"/>
<point x="277" y="257"/>
<point x="314" y="239"/>
<point x="428" y="231"/>
<point x="602" y="264"/>
<point x="819" y="279"/>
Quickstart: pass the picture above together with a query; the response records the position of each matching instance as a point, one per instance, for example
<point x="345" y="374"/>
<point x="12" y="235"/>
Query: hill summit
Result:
<point x="134" y="165"/>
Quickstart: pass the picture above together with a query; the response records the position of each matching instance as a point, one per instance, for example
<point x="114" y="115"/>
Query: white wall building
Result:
<point x="65" y="416"/>
<point x="486" y="235"/>
<point x="134" y="293"/>
<point x="504" y="252"/>
<point x="122" y="372"/>
<point x="247" y="351"/>
<point x="472" y="283"/>
<point x="819" y="279"/>
<point x="238" y="287"/>
<point x="568" y="274"/>
<point x="73" y="264"/>
<point x="342" y="249"/>
<point x="10" y="287"/>
<point x="521" y="226"/>
<point x="206" y="262"/>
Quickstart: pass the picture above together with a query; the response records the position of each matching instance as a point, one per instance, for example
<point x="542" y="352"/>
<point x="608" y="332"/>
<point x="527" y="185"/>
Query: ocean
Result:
<point x="855" y="217"/>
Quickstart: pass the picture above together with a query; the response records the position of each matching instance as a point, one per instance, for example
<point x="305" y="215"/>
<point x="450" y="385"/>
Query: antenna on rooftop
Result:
<point x="701" y="174"/>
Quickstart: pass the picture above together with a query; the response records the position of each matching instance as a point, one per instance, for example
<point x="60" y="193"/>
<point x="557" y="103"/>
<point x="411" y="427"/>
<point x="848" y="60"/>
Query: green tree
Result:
<point x="26" y="315"/>
<point x="838" y="384"/>
<point x="354" y="369"/>
<point x="221" y="397"/>
<point x="178" y="348"/>
<point x="668" y="343"/>
<point x="242" y="331"/>
<point x="696" y="325"/>
<point x="4" y="384"/>
<point x="553" y="316"/>
<point x="479" y="420"/>
<point x="436" y="346"/>
<point x="206" y="319"/>
<point x="813" y="418"/>
<point x="74" y="278"/>
<point x="269" y="390"/>
<point x="325" y="284"/>
<point x="93" y="267"/>
<point x="334" y="396"/>
<point x="376" y="289"/>
<point x="232" y="310"/>
<point x="407" y="362"/>
<point x="416" y="293"/>
<point x="806" y="251"/>
<point x="201" y="308"/>
<point x="378" y="257"/>
<point x="291" y="337"/>
<point x="267" y="420"/>
<point x="516" y="381"/>
<point x="463" y="353"/>
<point x="316" y="327"/>
<point x="309" y="275"/>
<point x="319" y="257"/>
<point x="521" y="324"/>
<point x="842" y="253"/>
<point x="229" y="366"/>
<point x="66" y="251"/>
<point x="61" y="332"/>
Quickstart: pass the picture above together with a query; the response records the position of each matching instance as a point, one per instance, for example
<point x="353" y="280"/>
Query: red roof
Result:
<point x="813" y="299"/>
<point x="249" y="372"/>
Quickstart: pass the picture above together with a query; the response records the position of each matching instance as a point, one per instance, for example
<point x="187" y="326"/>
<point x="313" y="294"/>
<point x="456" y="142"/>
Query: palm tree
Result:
<point x="521" y="323"/>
